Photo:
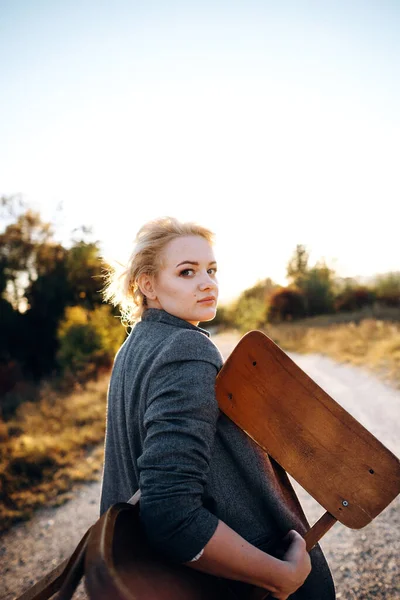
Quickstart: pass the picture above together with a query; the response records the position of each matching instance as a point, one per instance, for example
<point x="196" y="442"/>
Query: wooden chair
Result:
<point x="305" y="432"/>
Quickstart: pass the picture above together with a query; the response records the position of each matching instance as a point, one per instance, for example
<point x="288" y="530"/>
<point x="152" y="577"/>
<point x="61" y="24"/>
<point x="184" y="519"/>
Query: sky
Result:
<point x="271" y="123"/>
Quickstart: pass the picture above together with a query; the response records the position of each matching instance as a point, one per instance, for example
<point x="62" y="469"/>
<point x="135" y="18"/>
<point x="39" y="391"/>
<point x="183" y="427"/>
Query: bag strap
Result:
<point x="75" y="572"/>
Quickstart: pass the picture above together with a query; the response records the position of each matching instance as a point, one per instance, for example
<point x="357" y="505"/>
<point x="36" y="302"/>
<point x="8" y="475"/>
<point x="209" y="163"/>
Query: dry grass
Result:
<point x="370" y="343"/>
<point x="48" y="447"/>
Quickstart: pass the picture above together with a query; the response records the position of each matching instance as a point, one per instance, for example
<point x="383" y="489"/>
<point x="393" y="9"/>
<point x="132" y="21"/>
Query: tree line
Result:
<point x="53" y="321"/>
<point x="55" y="325"/>
<point x="312" y="290"/>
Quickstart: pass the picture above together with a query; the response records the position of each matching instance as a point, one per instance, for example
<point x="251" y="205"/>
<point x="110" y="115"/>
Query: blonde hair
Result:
<point x="121" y="288"/>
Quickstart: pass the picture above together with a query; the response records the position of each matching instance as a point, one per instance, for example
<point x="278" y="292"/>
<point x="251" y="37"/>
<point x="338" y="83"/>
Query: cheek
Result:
<point x="175" y="288"/>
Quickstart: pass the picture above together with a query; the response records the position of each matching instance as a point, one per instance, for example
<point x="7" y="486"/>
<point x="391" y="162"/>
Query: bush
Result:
<point x="88" y="341"/>
<point x="354" y="299"/>
<point x="387" y="289"/>
<point x="286" y="305"/>
<point x="249" y="313"/>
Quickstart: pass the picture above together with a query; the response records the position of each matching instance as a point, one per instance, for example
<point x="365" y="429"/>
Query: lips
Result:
<point x="208" y="299"/>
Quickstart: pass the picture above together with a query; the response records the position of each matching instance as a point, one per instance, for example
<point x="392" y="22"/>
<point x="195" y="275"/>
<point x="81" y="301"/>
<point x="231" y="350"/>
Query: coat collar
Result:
<point x="162" y="316"/>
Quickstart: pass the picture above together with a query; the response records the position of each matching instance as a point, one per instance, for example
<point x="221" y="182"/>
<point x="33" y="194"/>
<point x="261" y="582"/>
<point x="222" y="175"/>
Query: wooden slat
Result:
<point x="339" y="462"/>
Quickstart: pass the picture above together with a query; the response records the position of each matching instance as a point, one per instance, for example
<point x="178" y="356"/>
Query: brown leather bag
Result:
<point x="118" y="564"/>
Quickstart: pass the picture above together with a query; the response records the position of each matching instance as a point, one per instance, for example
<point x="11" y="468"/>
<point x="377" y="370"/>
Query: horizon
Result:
<point x="224" y="298"/>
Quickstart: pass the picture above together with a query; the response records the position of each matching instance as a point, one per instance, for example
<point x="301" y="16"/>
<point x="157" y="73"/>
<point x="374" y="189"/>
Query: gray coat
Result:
<point x="194" y="466"/>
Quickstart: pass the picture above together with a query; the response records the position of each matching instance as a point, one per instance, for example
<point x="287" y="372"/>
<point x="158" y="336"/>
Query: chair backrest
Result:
<point x="339" y="462"/>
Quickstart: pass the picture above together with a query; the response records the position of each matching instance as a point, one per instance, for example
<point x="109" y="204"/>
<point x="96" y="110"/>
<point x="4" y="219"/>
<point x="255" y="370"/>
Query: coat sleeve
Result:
<point x="180" y="422"/>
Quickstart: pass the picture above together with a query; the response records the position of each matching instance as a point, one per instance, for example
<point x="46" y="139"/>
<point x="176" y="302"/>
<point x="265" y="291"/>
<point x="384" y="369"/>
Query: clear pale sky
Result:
<point x="273" y="123"/>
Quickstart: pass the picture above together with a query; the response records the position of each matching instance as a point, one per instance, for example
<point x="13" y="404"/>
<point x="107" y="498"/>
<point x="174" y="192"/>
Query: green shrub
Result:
<point x="249" y="313"/>
<point x="88" y="341"/>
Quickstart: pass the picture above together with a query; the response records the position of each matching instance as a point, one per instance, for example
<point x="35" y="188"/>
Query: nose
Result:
<point x="208" y="282"/>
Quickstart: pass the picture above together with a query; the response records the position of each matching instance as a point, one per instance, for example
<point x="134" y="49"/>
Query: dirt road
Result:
<point x="365" y="563"/>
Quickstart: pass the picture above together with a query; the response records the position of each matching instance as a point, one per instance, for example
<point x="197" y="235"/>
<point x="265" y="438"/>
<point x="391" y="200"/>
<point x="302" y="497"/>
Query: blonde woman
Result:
<point x="209" y="497"/>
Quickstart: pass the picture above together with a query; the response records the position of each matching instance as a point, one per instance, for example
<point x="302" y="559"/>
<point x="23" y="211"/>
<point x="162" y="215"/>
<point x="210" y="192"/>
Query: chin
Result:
<point x="209" y="316"/>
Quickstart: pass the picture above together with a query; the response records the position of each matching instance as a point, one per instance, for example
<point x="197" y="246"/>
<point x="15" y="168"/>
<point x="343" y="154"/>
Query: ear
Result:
<point x="146" y="286"/>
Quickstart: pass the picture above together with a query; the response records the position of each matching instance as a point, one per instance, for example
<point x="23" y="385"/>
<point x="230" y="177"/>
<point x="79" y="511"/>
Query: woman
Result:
<point x="209" y="495"/>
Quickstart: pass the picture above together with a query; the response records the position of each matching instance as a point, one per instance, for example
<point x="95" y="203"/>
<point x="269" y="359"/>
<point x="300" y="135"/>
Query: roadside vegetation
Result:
<point x="320" y="312"/>
<point x="58" y="340"/>
<point x="48" y="447"/>
<point x="364" y="341"/>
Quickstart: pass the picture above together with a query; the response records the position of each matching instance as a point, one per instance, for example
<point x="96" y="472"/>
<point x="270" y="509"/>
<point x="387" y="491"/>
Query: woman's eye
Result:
<point x="186" y="272"/>
<point x="212" y="271"/>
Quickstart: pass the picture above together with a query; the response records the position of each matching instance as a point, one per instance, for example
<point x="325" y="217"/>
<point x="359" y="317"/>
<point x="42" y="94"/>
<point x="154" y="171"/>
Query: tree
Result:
<point x="10" y="326"/>
<point x="84" y="268"/>
<point x="47" y="297"/>
<point x="39" y="280"/>
<point x="20" y="245"/>
<point x="297" y="266"/>
<point x="317" y="287"/>
<point x="316" y="283"/>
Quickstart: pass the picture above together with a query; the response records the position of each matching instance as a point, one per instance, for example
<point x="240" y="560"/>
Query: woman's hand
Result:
<point x="228" y="555"/>
<point x="298" y="565"/>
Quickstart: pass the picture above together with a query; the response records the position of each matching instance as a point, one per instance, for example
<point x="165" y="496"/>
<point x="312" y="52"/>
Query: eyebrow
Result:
<point x="193" y="262"/>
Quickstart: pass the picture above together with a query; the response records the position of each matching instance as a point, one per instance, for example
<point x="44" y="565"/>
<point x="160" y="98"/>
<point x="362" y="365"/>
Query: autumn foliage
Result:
<point x="44" y="286"/>
<point x="286" y="305"/>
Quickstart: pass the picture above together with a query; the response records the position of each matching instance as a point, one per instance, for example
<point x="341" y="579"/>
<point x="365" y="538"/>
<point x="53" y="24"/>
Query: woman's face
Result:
<point x="186" y="285"/>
